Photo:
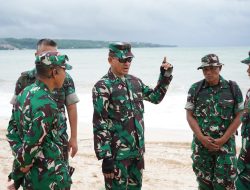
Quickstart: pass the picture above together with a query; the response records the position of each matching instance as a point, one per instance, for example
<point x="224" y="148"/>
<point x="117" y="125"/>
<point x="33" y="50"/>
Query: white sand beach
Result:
<point x="167" y="161"/>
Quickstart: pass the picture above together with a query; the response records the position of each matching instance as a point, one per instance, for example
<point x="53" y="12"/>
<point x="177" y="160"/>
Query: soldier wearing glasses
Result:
<point x="118" y="118"/>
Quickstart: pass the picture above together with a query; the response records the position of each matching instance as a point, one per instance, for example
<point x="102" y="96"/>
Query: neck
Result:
<point x="117" y="74"/>
<point x="48" y="82"/>
<point x="213" y="83"/>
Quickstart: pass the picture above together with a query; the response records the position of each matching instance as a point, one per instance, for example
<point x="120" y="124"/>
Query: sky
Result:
<point x="170" y="22"/>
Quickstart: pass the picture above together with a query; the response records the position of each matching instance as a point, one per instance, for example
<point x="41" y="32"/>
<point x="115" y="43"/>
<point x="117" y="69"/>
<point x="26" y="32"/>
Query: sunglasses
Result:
<point x="129" y="59"/>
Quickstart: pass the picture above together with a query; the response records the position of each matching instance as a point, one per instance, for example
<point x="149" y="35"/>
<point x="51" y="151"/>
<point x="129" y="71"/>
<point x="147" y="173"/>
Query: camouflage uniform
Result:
<point x="63" y="96"/>
<point x="214" y="108"/>
<point x="243" y="164"/>
<point x="34" y="137"/>
<point x="119" y="126"/>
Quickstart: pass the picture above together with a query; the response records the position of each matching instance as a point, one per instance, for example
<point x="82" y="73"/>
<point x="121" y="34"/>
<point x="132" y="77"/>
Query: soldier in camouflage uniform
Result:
<point x="213" y="113"/>
<point x="243" y="164"/>
<point x="34" y="129"/>
<point x="118" y="118"/>
<point x="64" y="96"/>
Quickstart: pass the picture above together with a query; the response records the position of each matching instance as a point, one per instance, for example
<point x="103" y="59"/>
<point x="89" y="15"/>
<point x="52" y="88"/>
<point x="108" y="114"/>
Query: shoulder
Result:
<point x="103" y="85"/>
<point x="68" y="77"/>
<point x="196" y="86"/>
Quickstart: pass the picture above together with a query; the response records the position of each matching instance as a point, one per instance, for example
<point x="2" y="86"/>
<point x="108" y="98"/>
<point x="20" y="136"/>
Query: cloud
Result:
<point x="189" y="22"/>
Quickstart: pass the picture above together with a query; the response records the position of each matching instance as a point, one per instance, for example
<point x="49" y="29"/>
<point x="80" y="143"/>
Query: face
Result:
<point x="44" y="48"/>
<point x="59" y="75"/>
<point x="248" y="70"/>
<point x="119" y="67"/>
<point x="212" y="74"/>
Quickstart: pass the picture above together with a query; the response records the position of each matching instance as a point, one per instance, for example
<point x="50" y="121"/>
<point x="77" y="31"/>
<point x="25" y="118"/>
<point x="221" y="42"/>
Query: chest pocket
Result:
<point x="137" y="101"/>
<point x="226" y="105"/>
<point x="119" y="103"/>
<point x="202" y="104"/>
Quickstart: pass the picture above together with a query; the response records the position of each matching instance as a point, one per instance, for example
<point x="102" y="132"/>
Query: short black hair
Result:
<point x="46" y="41"/>
<point x="43" y="71"/>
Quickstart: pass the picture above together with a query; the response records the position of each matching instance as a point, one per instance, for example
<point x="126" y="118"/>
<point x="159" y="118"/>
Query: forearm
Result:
<point x="157" y="94"/>
<point x="72" y="114"/>
<point x="194" y="125"/>
<point x="232" y="127"/>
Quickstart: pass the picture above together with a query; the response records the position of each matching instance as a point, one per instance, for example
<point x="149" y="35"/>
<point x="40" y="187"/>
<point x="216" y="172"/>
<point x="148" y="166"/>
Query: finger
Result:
<point x="74" y="151"/>
<point x="164" y="60"/>
<point x="112" y="175"/>
<point x="107" y="176"/>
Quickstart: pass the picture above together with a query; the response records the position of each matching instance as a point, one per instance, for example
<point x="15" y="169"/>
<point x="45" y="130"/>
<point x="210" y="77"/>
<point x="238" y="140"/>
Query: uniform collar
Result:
<point x="42" y="85"/>
<point x="112" y="76"/>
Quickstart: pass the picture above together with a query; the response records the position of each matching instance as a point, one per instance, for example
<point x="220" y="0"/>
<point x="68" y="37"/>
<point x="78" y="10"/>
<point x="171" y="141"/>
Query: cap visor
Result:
<point x="68" y="67"/>
<point x="129" y="54"/>
<point x="246" y="61"/>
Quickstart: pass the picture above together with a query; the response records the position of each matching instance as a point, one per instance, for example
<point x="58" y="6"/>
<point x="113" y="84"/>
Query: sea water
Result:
<point x="89" y="65"/>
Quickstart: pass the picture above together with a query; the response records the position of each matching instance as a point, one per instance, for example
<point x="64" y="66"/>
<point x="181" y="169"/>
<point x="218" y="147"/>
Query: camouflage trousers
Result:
<point x="243" y="180"/>
<point x="215" y="171"/>
<point x="128" y="175"/>
<point x="47" y="180"/>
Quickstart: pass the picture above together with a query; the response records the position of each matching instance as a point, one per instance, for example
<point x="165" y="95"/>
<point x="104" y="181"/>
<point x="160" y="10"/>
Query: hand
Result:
<point x="108" y="168"/>
<point x="209" y="143"/>
<point x="109" y="175"/>
<point x="220" y="141"/>
<point x="26" y="169"/>
<point x="166" y="68"/>
<point x="73" y="147"/>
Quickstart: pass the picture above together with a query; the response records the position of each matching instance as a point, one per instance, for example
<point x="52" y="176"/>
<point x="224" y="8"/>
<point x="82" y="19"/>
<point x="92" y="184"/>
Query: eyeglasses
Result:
<point x="129" y="59"/>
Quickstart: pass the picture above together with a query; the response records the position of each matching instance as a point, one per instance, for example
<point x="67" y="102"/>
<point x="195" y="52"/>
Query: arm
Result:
<point x="70" y="102"/>
<point x="238" y="108"/>
<point x="157" y="94"/>
<point x="230" y="131"/>
<point x="39" y="126"/>
<point x="12" y="135"/>
<point x="72" y="114"/>
<point x="26" y="78"/>
<point x="102" y="135"/>
<point x="206" y="141"/>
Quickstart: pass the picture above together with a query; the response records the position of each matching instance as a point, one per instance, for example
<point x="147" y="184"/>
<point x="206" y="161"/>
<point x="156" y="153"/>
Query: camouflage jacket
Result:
<point x="245" y="131"/>
<point x="118" y="114"/>
<point x="63" y="96"/>
<point x="33" y="135"/>
<point x="214" y="109"/>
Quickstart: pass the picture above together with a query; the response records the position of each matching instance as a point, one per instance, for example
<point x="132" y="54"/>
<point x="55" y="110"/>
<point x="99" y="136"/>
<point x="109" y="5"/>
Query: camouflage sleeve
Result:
<point x="26" y="78"/>
<point x="42" y="121"/>
<point x="157" y="94"/>
<point x="239" y="105"/>
<point x="190" y="99"/>
<point x="18" y="88"/>
<point x="69" y="87"/>
<point x="102" y="135"/>
<point x="12" y="136"/>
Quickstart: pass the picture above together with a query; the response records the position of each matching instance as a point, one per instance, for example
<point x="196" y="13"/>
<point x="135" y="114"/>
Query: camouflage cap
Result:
<point x="210" y="60"/>
<point x="247" y="60"/>
<point x="53" y="58"/>
<point x="120" y="50"/>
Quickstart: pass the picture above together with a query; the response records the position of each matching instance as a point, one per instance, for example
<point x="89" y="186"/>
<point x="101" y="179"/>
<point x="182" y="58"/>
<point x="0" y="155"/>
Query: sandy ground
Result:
<point x="167" y="161"/>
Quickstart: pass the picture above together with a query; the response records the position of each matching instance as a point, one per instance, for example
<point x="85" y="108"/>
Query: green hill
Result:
<point x="30" y="43"/>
